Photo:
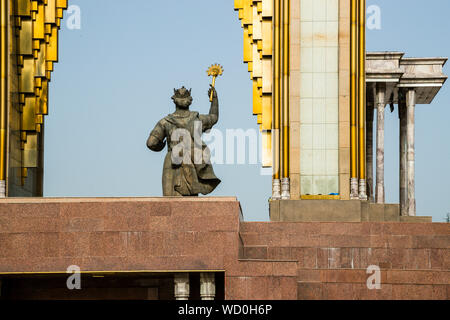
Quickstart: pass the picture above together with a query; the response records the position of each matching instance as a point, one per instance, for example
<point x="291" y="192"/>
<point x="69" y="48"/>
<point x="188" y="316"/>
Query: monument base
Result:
<point x="134" y="248"/>
<point x="337" y="211"/>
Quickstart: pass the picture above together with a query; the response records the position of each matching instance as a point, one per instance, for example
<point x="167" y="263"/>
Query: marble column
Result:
<point x="207" y="286"/>
<point x="402" y="159"/>
<point x="410" y="151"/>
<point x="369" y="151"/>
<point x="181" y="282"/>
<point x="381" y="104"/>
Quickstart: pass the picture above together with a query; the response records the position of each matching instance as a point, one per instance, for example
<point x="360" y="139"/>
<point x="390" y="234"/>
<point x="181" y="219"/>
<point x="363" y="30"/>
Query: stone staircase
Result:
<point x="332" y="258"/>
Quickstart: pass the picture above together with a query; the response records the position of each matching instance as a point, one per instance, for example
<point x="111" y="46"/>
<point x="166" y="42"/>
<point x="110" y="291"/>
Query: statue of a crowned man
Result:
<point x="187" y="168"/>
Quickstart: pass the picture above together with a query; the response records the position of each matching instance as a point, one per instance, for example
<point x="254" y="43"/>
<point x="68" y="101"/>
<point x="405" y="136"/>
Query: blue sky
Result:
<point x="116" y="75"/>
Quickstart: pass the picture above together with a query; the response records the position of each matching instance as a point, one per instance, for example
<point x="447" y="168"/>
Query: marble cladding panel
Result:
<point x="319" y="10"/>
<point x="319" y="97"/>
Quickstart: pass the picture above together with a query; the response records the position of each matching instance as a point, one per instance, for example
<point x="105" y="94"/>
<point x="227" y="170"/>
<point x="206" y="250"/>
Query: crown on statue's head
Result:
<point x="181" y="93"/>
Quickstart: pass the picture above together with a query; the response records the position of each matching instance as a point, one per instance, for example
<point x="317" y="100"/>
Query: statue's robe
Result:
<point x="185" y="179"/>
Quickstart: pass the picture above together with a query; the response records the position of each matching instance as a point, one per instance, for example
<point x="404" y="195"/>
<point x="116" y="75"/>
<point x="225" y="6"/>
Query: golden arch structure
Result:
<point x="29" y="50"/>
<point x="315" y="93"/>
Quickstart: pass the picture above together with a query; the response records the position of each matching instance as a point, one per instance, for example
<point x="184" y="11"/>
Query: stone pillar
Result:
<point x="402" y="159"/>
<point x="207" y="286"/>
<point x="410" y="151"/>
<point x="181" y="282"/>
<point x="381" y="104"/>
<point x="369" y="151"/>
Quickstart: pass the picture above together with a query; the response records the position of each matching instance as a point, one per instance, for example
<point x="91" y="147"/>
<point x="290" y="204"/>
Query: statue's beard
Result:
<point x="183" y="103"/>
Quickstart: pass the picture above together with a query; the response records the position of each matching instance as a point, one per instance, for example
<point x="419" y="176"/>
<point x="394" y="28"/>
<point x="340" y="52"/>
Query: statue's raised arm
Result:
<point x="209" y="120"/>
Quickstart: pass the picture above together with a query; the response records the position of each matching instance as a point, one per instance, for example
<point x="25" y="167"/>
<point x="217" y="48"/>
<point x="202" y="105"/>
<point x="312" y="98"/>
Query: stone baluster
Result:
<point x="181" y="282"/>
<point x="207" y="286"/>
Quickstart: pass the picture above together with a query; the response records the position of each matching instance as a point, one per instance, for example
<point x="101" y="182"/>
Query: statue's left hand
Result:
<point x="214" y="92"/>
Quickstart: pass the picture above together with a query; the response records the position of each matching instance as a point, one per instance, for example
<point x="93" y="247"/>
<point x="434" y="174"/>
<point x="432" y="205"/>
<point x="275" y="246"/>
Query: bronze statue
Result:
<point x="187" y="168"/>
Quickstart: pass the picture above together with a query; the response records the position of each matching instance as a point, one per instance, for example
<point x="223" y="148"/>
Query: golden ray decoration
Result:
<point x="214" y="71"/>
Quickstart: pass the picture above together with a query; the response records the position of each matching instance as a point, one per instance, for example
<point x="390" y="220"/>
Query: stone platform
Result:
<point x="337" y="211"/>
<point x="258" y="260"/>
